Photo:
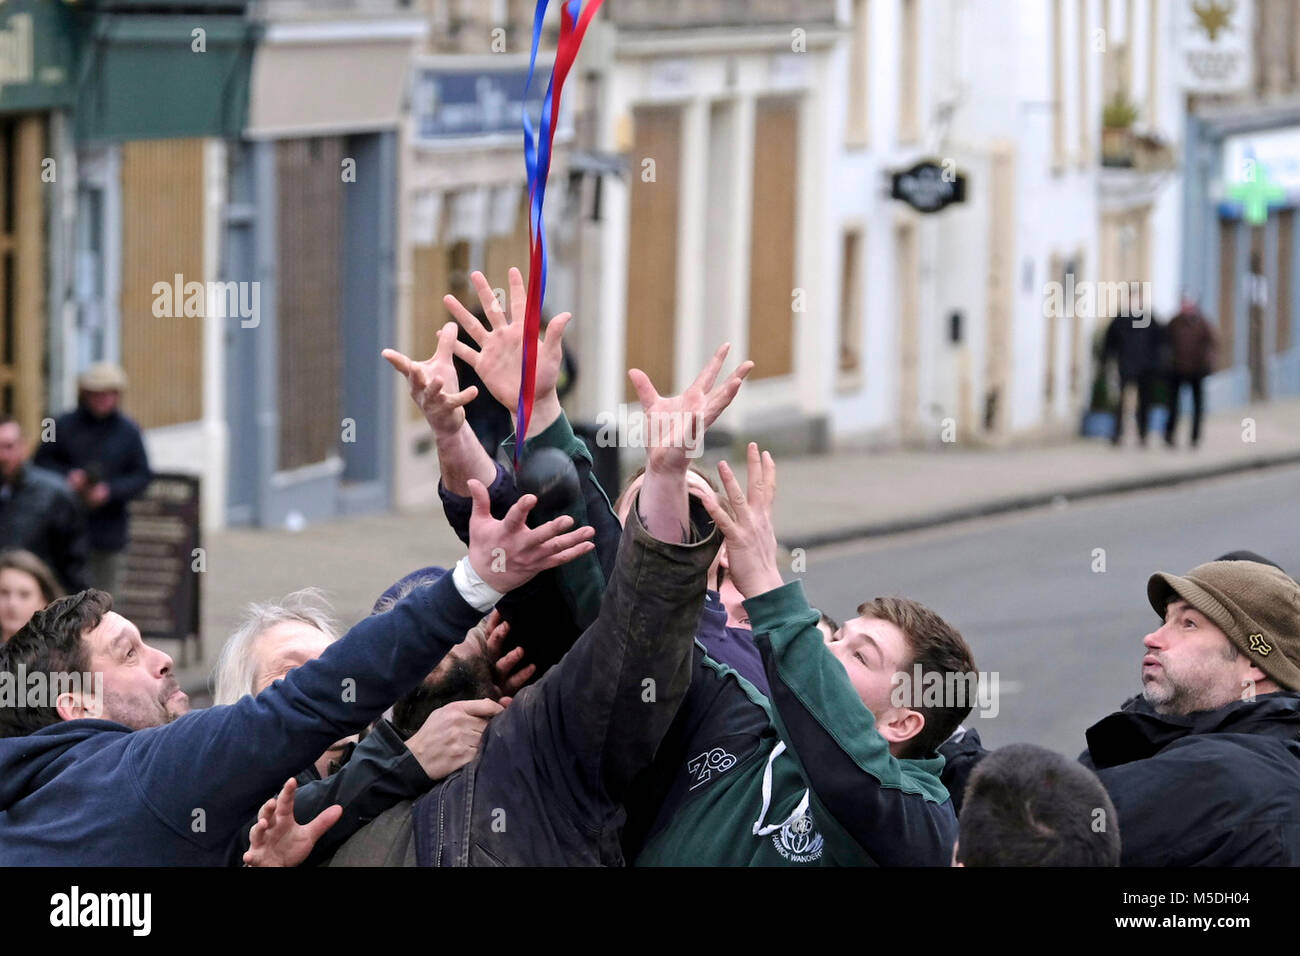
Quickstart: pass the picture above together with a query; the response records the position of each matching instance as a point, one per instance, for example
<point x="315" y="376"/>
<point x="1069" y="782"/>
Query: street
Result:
<point x="1064" y="640"/>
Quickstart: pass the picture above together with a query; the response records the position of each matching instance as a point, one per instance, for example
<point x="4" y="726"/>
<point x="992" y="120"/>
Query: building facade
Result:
<point x="1242" y="255"/>
<point x="711" y="229"/>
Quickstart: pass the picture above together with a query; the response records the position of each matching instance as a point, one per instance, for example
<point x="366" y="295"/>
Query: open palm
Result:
<point x="498" y="358"/>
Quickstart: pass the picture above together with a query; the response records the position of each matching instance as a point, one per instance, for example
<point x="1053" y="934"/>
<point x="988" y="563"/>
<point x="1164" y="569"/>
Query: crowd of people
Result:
<point x="627" y="679"/>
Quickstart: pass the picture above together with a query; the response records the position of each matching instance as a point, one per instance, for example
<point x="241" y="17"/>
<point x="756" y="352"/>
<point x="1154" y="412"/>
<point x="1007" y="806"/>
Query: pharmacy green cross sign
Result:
<point x="1255" y="192"/>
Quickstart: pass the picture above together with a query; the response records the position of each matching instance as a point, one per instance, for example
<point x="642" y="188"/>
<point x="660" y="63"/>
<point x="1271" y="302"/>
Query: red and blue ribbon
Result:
<point x="575" y="16"/>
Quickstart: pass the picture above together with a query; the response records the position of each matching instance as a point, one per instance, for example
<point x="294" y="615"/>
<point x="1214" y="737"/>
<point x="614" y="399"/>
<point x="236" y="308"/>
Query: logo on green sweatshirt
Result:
<point x="798" y="841"/>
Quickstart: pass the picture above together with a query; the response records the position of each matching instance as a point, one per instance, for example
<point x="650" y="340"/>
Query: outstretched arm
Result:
<point x="598" y="718"/>
<point x="872" y="807"/>
<point x="247" y="748"/>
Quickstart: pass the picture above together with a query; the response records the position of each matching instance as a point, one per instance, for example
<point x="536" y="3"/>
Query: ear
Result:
<point x="723" y="560"/>
<point x="79" y="705"/>
<point x="899" y="725"/>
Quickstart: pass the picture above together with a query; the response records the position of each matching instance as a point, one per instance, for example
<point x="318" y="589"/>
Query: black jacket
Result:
<point x="109" y="449"/>
<point x="1138" y="349"/>
<point x="961" y="755"/>
<point x="554" y="770"/>
<point x="38" y="513"/>
<point x="381" y="772"/>
<point x="1214" y="788"/>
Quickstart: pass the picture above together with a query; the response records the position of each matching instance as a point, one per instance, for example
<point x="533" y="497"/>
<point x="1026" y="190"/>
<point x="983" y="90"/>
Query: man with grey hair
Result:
<point x="387" y="764"/>
<point x="271" y="640"/>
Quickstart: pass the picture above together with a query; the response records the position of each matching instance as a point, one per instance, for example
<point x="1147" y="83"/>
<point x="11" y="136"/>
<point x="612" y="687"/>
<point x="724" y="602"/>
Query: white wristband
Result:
<point x="476" y="592"/>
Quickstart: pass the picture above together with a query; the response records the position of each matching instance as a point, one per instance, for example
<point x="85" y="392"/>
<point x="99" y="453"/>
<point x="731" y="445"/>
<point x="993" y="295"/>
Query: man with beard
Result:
<point x="111" y="768"/>
<point x="367" y="777"/>
<point x="1208" y="771"/>
<point x="555" y="769"/>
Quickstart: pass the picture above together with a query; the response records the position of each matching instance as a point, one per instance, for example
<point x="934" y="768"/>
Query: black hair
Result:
<point x="50" y="643"/>
<point x="1028" y="806"/>
<point x="463" y="680"/>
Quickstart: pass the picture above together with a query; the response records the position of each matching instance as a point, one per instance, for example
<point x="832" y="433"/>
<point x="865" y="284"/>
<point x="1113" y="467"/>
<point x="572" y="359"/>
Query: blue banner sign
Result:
<point x="454" y="104"/>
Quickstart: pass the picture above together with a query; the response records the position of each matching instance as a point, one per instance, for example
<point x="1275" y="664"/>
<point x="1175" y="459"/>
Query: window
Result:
<point x="1084" y="45"/>
<point x="909" y="103"/>
<point x="850" y="360"/>
<point x="857" y="121"/>
<point x="1058" y="85"/>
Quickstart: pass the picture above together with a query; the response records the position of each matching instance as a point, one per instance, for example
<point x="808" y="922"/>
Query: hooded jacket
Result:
<point x="1213" y="788"/>
<point x="94" y="792"/>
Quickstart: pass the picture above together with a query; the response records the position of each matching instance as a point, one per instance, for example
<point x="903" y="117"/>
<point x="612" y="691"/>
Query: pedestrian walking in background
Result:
<point x="1194" y="346"/>
<point x="37" y="513"/>
<point x="100" y="453"/>
<point x="1135" y="342"/>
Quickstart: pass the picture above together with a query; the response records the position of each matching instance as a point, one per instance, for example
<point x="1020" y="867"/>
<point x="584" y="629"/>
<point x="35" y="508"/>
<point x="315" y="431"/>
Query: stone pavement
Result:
<point x="821" y="500"/>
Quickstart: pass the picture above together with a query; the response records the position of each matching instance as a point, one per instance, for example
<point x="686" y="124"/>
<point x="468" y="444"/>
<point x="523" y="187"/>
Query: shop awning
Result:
<point x="37" y="55"/>
<point x="162" y="76"/>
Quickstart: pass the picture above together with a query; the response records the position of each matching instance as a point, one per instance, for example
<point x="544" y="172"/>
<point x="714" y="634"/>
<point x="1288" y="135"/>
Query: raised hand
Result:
<point x="450" y="736"/>
<point x="676" y="424"/>
<point x="508" y="669"/>
<point x="434" y="386"/>
<point x="508" y="553"/>
<point x="277" y="839"/>
<point x="751" y="539"/>
<point x="498" y="357"/>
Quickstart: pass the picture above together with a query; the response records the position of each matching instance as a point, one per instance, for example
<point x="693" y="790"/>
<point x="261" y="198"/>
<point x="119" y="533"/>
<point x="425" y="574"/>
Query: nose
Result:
<point x="165" y="663"/>
<point x="1155" y="639"/>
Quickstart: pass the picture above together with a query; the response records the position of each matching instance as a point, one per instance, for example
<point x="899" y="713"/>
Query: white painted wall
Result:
<point x="694" y="72"/>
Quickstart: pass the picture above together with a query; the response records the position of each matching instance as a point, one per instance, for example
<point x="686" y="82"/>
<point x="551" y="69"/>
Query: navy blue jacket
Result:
<point x="93" y="792"/>
<point x="110" y="448"/>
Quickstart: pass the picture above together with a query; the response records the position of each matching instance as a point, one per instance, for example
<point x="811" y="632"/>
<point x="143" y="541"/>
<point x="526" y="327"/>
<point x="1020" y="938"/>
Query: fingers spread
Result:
<point x="488" y="300"/>
<point x="518" y="295"/>
<point x="463" y="397"/>
<point x="466" y="353"/>
<point x="517" y="681"/>
<point x="719" y="515"/>
<point x="704" y="381"/>
<point x="510" y="661"/>
<point x="754" y="473"/>
<point x="554" y="335"/>
<point x="569" y="554"/>
<point x="468" y="321"/>
<point x="397" y="360"/>
<point x="645" y="390"/>
<point x="479" y="495"/>
<point x="324" y="820"/>
<point x="732" y="486"/>
<point x="518" y="513"/>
